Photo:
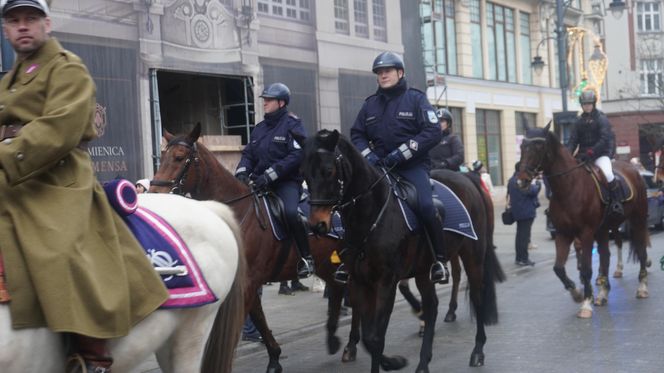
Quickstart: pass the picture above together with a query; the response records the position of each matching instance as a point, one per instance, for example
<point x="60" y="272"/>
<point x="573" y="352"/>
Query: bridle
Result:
<point x="534" y="171"/>
<point x="177" y="184"/>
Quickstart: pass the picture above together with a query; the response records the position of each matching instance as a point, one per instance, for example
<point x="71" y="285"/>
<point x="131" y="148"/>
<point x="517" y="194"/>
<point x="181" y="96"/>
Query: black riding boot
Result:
<point x="615" y="206"/>
<point x="439" y="272"/>
<point x="305" y="267"/>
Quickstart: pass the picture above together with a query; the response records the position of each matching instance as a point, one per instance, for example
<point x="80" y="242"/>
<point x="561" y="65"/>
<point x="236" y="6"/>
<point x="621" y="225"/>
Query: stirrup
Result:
<point x="341" y="274"/>
<point x="305" y="268"/>
<point x="439" y="273"/>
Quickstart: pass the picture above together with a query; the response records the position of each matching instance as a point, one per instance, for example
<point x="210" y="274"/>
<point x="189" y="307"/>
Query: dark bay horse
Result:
<point x="382" y="250"/>
<point x="578" y="214"/>
<point x="189" y="167"/>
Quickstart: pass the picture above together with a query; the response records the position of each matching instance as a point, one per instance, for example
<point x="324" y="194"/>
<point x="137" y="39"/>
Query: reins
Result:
<point x="177" y="184"/>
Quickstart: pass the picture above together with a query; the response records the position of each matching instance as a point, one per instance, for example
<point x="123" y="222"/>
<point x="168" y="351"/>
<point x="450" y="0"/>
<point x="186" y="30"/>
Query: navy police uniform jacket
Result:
<point x="448" y="154"/>
<point x="592" y="131"/>
<point x="399" y="117"/>
<point x="273" y="150"/>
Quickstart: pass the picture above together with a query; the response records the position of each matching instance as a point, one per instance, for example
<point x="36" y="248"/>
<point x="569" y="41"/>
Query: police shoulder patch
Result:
<point x="433" y="118"/>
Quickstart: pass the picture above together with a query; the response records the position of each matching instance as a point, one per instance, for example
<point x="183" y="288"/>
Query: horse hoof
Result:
<point x="476" y="360"/>
<point x="642" y="294"/>
<point x="617" y="274"/>
<point x="395" y="362"/>
<point x="350" y="354"/>
<point x="333" y="344"/>
<point x="450" y="317"/>
<point x="584" y="314"/>
<point x="274" y="368"/>
<point x="600" y="301"/>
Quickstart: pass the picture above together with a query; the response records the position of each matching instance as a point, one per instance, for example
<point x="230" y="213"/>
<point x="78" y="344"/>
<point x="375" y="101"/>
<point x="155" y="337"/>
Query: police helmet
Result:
<point x="444" y="114"/>
<point x="387" y="59"/>
<point x="277" y="91"/>
<point x="588" y="97"/>
<point x="41" y="5"/>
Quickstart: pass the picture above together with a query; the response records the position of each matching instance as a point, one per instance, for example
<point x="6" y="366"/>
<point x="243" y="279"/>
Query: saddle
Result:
<point x="625" y="187"/>
<point x="454" y="214"/>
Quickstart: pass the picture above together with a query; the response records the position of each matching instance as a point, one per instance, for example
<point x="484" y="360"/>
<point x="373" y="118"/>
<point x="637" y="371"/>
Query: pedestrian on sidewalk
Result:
<point x="524" y="204"/>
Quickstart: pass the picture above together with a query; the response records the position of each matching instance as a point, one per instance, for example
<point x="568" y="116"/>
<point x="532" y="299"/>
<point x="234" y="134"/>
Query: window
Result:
<point x="292" y="9"/>
<point x="341" y="16"/>
<point x="647" y="16"/>
<point x="487" y="124"/>
<point x="651" y="77"/>
<point x="379" y="22"/>
<point x="361" y="18"/>
<point x="501" y="42"/>
<point x="524" y="39"/>
<point x="439" y="36"/>
<point x="476" y="38"/>
<point x="523" y="118"/>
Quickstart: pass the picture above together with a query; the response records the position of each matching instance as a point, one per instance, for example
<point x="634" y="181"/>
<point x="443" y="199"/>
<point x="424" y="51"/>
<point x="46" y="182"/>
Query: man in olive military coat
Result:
<point x="71" y="263"/>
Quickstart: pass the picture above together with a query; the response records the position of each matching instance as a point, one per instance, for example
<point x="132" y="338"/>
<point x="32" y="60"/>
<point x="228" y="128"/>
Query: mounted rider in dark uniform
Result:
<point x="593" y="135"/>
<point x="395" y="129"/>
<point x="448" y="154"/>
<point x="271" y="160"/>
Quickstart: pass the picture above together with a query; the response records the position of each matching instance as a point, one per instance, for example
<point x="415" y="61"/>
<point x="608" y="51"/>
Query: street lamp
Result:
<point x="617" y="7"/>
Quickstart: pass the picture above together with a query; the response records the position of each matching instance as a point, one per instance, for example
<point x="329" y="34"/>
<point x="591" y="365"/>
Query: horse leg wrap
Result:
<point x="562" y="275"/>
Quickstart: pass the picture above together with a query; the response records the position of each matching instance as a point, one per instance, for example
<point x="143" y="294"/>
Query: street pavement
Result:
<point x="294" y="318"/>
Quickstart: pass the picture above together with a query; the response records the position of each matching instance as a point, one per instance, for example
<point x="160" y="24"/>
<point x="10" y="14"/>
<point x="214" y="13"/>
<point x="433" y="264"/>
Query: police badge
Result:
<point x="433" y="118"/>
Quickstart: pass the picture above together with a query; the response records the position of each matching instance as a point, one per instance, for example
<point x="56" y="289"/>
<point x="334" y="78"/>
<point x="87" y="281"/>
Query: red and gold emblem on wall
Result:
<point x="100" y="119"/>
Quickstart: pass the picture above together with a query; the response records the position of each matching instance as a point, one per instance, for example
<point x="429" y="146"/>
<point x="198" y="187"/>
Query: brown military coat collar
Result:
<point x="26" y="70"/>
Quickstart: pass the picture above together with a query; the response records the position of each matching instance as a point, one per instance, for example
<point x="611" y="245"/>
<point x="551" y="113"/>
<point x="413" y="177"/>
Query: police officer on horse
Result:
<point x="395" y="129"/>
<point x="448" y="154"/>
<point x="271" y="160"/>
<point x="593" y="135"/>
<point x="72" y="264"/>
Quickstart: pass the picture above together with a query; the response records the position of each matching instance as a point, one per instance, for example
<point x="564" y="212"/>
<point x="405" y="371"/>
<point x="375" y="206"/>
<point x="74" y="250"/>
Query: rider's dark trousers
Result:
<point x="289" y="192"/>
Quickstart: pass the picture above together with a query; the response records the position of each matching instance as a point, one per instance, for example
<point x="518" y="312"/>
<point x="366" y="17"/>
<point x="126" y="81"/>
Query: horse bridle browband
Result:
<point x="532" y="172"/>
<point x="177" y="184"/>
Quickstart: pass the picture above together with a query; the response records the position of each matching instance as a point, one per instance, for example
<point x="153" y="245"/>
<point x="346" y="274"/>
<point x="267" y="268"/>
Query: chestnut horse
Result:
<point x="188" y="167"/>
<point x="382" y="250"/>
<point x="578" y="214"/>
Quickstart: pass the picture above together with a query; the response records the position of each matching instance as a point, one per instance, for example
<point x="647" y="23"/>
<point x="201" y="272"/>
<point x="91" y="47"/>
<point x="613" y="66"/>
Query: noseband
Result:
<point x="177" y="184"/>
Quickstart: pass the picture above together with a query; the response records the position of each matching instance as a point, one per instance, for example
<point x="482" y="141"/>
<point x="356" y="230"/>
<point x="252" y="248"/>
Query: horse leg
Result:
<point x="335" y="297"/>
<point x="602" y="282"/>
<point x="563" y="243"/>
<point x="475" y="273"/>
<point x="350" y="351"/>
<point x="586" y="274"/>
<point x="376" y="311"/>
<point x="415" y="304"/>
<point x="619" y="254"/>
<point x="639" y="243"/>
<point x="187" y="343"/>
<point x="273" y="349"/>
<point x="450" y="316"/>
<point x="430" y="313"/>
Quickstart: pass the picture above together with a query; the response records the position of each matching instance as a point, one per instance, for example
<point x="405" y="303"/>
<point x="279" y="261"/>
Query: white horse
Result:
<point x="178" y="337"/>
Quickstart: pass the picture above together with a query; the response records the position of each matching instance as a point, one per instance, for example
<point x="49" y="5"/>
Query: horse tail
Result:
<point x="639" y="238"/>
<point x="225" y="334"/>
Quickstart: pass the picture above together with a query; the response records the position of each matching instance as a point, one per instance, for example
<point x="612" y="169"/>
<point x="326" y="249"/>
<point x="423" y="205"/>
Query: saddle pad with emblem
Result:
<point x="163" y="246"/>
<point x="456" y="220"/>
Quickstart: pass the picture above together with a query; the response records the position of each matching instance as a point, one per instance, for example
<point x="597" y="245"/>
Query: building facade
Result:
<point x="634" y="100"/>
<point x="165" y="65"/>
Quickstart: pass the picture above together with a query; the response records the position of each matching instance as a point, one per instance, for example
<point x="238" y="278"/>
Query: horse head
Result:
<point x="537" y="152"/>
<point x="176" y="171"/>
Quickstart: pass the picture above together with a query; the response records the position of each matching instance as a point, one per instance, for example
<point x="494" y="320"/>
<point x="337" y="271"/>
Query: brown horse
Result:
<point x="578" y="213"/>
<point x="382" y="250"/>
<point x="189" y="167"/>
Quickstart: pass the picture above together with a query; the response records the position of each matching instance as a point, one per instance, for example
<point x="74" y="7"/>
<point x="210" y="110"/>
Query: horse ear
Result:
<point x="335" y="136"/>
<point x="195" y="133"/>
<point x="328" y="139"/>
<point x="548" y="125"/>
<point x="167" y="135"/>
